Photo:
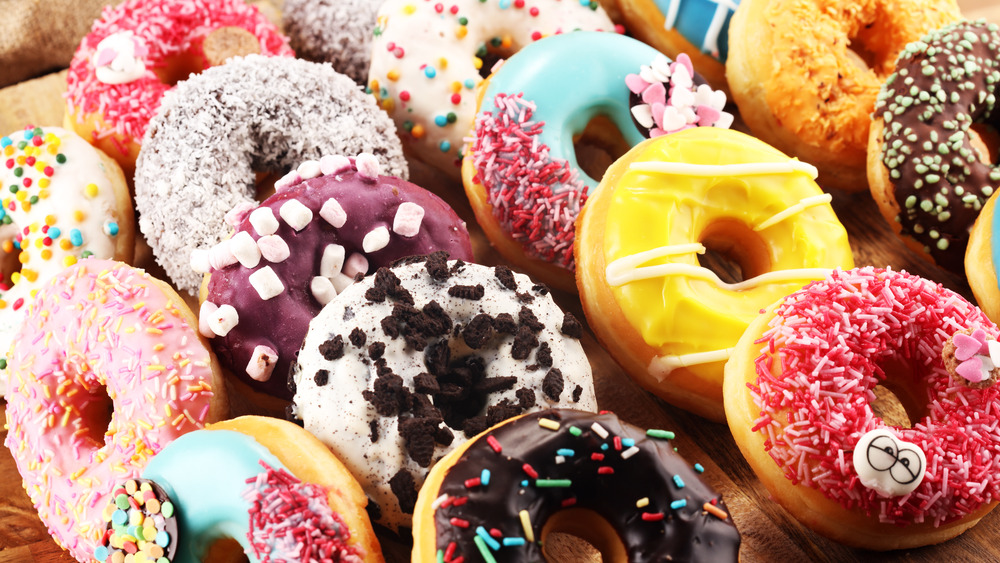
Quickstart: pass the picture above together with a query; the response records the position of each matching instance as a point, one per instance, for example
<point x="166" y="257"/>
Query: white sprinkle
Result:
<point x="560" y="460"/>
<point x="332" y="262"/>
<point x="368" y="165"/>
<point x="341" y="282"/>
<point x="273" y="248"/>
<point x="599" y="430"/>
<point x="200" y="262"/>
<point x="220" y="256"/>
<point x="356" y="264"/>
<point x="295" y="214"/>
<point x="223" y="319"/>
<point x="994" y="347"/>
<point x="262" y="363"/>
<point x="206" y="312"/>
<point x="407" y="220"/>
<point x="333" y="213"/>
<point x="308" y="169"/>
<point x="322" y="289"/>
<point x="266" y="282"/>
<point x="263" y="221"/>
<point x="331" y="164"/>
<point x="439" y="501"/>
<point x="630" y="452"/>
<point x="244" y="248"/>
<point x="375" y="240"/>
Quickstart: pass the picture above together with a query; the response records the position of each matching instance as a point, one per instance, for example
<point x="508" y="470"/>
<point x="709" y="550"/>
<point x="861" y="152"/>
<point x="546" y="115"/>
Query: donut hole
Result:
<point x="733" y="251"/>
<point x="97" y="412"/>
<point x="901" y="398"/>
<point x="577" y="535"/>
<point x="985" y="140"/>
<point x="225" y="550"/>
<point x="858" y="53"/>
<point x="220" y="44"/>
<point x="492" y="52"/>
<point x="598" y="146"/>
<point x="9" y="262"/>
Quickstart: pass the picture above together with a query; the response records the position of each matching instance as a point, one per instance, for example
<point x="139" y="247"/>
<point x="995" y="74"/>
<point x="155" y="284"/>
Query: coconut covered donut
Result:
<point x="219" y="127"/>
<point x="335" y="31"/>
<point x="407" y="364"/>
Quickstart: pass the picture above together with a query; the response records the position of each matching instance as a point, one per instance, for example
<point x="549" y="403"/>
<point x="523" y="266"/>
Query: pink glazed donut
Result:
<point x="102" y="334"/>
<point x="330" y="220"/>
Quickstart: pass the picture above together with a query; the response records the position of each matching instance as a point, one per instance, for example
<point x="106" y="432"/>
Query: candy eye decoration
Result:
<point x="887" y="464"/>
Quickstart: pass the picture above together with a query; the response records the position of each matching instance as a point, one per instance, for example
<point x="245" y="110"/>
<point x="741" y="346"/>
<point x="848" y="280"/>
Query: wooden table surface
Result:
<point x="769" y="533"/>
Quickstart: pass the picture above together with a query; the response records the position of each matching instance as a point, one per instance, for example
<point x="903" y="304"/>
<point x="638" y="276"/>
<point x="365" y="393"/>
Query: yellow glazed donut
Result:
<point x="982" y="258"/>
<point x="812" y="93"/>
<point x="666" y="319"/>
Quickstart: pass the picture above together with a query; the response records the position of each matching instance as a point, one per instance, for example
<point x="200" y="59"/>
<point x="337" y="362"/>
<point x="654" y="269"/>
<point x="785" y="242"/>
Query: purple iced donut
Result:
<point x="328" y="222"/>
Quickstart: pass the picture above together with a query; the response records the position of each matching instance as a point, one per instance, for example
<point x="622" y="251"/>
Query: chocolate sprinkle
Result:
<point x="473" y="292"/>
<point x="332" y="349"/>
<point x="553" y="383"/>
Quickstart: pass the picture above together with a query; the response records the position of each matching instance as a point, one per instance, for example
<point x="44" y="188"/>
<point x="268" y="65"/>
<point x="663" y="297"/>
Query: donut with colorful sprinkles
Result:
<point x="799" y="391"/>
<point x="64" y="200"/>
<point x="521" y="156"/>
<point x="929" y="169"/>
<point x="108" y="368"/>
<point x="621" y="488"/>
<point x="428" y="56"/>
<point x="252" y="114"/>
<point x="331" y="220"/>
<point x="139" y="49"/>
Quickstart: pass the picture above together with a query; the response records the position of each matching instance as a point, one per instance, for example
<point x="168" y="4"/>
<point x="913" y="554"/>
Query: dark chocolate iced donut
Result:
<point x="329" y="221"/>
<point x="567" y="470"/>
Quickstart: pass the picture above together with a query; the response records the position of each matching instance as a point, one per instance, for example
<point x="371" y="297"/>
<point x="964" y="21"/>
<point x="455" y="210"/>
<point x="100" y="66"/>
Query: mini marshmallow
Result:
<point x="332" y="262"/>
<point x="264" y="221"/>
<point x="333" y="213"/>
<point x="273" y="248"/>
<point x="236" y="215"/>
<point x="244" y="248"/>
<point x="223" y="319"/>
<point x="295" y="214"/>
<point x="375" y="240"/>
<point x="407" y="220"/>
<point x="287" y="181"/>
<point x="331" y="164"/>
<point x="356" y="264"/>
<point x="206" y="312"/>
<point x="262" y="363"/>
<point x="200" y="262"/>
<point x="322" y="289"/>
<point x="266" y="282"/>
<point x="341" y="282"/>
<point x="308" y="169"/>
<point x="221" y="256"/>
<point x="368" y="165"/>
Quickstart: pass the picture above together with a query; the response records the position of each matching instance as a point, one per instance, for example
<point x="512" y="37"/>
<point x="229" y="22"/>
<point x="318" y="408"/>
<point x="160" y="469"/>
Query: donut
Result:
<point x="140" y="49"/>
<point x="698" y="28"/>
<point x="338" y="32"/>
<point x="666" y="319"/>
<point x="929" y="169"/>
<point x="408" y="363"/>
<point x="799" y="391"/>
<point x="427" y="59"/>
<point x="264" y="482"/>
<point x="812" y="95"/>
<point x="332" y="219"/>
<point x="107" y="369"/>
<point x="499" y="495"/>
<point x="64" y="200"/>
<point x="215" y="129"/>
<point x="522" y="157"/>
<point x="981" y="259"/>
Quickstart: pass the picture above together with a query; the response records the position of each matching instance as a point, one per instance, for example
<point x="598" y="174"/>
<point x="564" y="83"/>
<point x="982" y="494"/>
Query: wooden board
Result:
<point x="769" y="533"/>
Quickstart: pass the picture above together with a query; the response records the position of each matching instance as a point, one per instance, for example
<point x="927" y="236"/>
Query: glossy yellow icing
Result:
<point x="685" y="310"/>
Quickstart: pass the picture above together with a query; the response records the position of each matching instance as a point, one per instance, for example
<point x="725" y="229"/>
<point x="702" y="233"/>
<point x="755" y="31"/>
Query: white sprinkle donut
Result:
<point x="427" y="56"/>
<point x="215" y="129"/>
<point x="335" y="31"/>
<point x="62" y="200"/>
<point x="407" y="364"/>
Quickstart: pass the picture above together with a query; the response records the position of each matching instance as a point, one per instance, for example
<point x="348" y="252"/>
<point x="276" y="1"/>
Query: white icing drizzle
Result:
<point x="661" y="366"/>
<point x="722" y="11"/>
<point x="671" y="16"/>
<point x="799" y="207"/>
<point x="745" y="169"/>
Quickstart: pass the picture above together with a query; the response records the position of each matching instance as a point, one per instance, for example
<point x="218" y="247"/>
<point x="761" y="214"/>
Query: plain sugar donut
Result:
<point x="335" y="31"/>
<point x="217" y="128"/>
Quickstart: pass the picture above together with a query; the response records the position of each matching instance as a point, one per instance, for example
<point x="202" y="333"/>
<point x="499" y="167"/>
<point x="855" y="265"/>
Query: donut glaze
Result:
<point x="404" y="365"/>
<point x="371" y="205"/>
<point x="251" y="114"/>
<point x="166" y="39"/>
<point x="426" y="61"/>
<point x="939" y="181"/>
<point x="102" y="329"/>
<point x="520" y="475"/>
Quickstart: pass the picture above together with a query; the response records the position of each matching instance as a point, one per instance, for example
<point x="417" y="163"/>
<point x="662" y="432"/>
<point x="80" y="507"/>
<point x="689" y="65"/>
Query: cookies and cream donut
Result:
<point x="331" y="220"/>
<point x="216" y="129"/>
<point x="407" y="364"/>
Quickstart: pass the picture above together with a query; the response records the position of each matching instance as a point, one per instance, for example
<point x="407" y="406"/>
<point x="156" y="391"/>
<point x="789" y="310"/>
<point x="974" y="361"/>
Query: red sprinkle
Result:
<point x="494" y="444"/>
<point x="530" y="471"/>
<point x="474" y="482"/>
<point x="652" y="516"/>
<point x="605" y="470"/>
<point x="455" y="521"/>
